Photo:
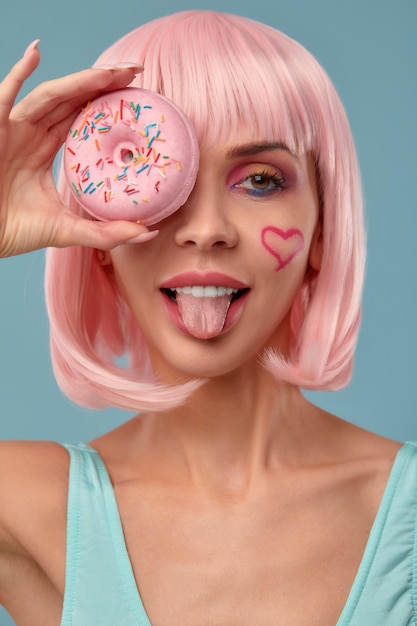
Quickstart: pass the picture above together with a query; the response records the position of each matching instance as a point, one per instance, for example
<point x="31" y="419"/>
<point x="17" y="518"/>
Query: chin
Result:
<point x="205" y="359"/>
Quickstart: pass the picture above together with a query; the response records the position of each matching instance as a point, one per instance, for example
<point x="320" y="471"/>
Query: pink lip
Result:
<point x="204" y="279"/>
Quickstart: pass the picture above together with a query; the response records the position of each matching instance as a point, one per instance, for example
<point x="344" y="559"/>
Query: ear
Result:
<point x="103" y="257"/>
<point x="316" y="248"/>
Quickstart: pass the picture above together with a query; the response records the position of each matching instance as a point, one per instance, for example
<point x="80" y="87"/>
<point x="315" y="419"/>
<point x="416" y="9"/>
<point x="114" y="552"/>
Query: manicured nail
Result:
<point x="143" y="237"/>
<point x="120" y="66"/>
<point x="105" y="66"/>
<point x="32" y="46"/>
<point x="128" y="65"/>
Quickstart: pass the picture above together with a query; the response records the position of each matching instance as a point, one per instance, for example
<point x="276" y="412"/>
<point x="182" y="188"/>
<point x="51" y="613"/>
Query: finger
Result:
<point x="71" y="91"/>
<point x="47" y="96"/>
<point x="71" y="108"/>
<point x="104" y="235"/>
<point x="12" y="83"/>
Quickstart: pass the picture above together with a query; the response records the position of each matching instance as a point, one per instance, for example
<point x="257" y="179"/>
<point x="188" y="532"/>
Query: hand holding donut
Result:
<point x="32" y="214"/>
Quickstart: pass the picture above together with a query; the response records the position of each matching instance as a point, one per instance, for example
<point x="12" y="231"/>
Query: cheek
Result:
<point x="283" y="245"/>
<point x="126" y="272"/>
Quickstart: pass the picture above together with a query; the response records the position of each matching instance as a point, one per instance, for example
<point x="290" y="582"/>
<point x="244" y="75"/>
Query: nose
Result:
<point x="206" y="220"/>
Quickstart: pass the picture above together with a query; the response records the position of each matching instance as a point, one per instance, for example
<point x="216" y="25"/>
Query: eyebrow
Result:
<point x="254" y="148"/>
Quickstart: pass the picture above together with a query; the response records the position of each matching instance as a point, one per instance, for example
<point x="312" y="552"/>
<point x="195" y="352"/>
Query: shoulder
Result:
<point x="353" y="460"/>
<point x="30" y="463"/>
<point x="33" y="511"/>
<point x="349" y="441"/>
<point x="33" y="491"/>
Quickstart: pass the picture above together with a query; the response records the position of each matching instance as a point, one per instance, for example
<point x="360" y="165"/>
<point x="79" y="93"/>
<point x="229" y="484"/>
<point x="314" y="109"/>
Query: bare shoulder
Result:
<point x="361" y="443"/>
<point x="33" y="487"/>
<point x="348" y="440"/>
<point x="361" y="461"/>
<point x="33" y="509"/>
<point x="375" y="456"/>
<point x="350" y="459"/>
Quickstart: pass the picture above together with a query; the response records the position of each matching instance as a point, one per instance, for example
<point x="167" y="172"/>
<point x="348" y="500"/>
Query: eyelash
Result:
<point x="275" y="178"/>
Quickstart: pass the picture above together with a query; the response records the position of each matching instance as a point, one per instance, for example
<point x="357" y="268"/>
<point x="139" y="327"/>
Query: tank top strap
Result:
<point x="385" y="588"/>
<point x="100" y="587"/>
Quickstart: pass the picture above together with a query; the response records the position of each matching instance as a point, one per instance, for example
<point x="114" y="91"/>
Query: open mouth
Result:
<point x="198" y="291"/>
<point x="205" y="311"/>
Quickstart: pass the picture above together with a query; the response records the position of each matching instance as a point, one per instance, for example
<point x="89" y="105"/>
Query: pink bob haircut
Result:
<point x="224" y="71"/>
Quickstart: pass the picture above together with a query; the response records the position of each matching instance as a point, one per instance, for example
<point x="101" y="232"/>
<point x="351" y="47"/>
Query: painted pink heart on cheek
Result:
<point x="284" y="245"/>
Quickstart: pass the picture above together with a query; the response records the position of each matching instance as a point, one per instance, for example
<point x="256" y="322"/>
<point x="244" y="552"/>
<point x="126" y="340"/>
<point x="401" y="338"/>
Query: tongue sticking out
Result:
<point x="203" y="317"/>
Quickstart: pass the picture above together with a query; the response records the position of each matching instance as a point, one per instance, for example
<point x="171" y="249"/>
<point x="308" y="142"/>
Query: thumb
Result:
<point x="104" y="235"/>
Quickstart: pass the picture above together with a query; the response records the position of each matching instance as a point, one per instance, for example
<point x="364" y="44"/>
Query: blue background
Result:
<point x="369" y="49"/>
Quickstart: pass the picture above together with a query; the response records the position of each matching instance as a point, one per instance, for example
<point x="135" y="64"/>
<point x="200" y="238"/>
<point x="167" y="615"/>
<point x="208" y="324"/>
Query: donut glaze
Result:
<point x="131" y="154"/>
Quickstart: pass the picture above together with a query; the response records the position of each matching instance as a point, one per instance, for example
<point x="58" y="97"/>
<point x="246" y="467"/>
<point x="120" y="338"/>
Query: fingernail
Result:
<point x="143" y="237"/>
<point x="105" y="66"/>
<point x="120" y="66"/>
<point x="32" y="46"/>
<point x="128" y="65"/>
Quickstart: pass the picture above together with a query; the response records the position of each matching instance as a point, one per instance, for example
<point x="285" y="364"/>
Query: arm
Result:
<point x="34" y="475"/>
<point x="33" y="498"/>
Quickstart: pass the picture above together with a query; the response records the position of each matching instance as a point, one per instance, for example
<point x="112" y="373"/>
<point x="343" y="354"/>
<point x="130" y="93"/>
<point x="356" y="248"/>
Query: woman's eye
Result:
<point x="261" y="184"/>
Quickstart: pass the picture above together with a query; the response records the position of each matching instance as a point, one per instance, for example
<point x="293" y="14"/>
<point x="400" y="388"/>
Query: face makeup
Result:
<point x="284" y="245"/>
<point x="215" y="287"/>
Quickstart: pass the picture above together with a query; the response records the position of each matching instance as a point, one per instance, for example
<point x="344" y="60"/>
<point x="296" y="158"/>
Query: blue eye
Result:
<point x="261" y="184"/>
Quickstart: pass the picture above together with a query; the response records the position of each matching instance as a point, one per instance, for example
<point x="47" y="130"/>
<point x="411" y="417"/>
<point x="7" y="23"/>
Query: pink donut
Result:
<point x="131" y="154"/>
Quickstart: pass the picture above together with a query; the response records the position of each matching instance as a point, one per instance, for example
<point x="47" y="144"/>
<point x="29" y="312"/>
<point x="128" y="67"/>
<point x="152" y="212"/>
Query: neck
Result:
<point x="231" y="430"/>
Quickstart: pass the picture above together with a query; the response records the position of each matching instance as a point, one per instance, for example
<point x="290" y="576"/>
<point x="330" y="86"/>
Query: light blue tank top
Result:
<point x="100" y="587"/>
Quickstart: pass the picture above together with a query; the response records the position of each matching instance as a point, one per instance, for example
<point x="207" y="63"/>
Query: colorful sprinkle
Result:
<point x="76" y="189"/>
<point x="148" y="126"/>
<point x="87" y="189"/>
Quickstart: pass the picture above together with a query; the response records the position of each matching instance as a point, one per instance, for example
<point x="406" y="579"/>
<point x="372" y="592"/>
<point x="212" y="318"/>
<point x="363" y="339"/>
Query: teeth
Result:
<point x="198" y="291"/>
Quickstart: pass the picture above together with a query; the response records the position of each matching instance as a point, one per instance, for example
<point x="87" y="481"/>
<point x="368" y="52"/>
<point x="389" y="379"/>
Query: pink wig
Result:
<point x="223" y="71"/>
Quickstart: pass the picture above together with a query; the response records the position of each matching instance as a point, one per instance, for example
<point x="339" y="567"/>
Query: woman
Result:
<point x="230" y="499"/>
